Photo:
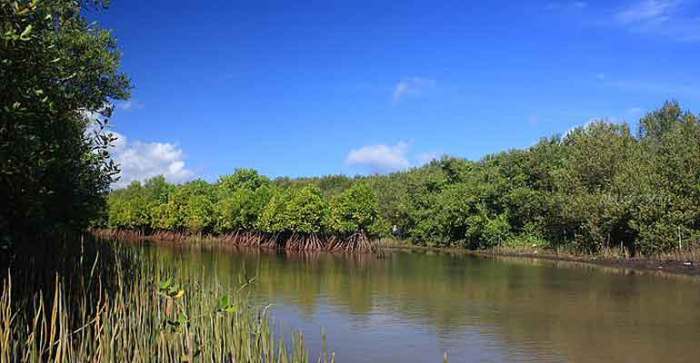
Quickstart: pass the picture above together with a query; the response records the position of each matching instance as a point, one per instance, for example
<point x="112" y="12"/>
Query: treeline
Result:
<point x="248" y="208"/>
<point x="599" y="186"/>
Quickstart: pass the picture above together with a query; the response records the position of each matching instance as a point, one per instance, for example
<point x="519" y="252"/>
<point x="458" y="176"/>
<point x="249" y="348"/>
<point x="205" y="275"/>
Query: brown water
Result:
<point x="415" y="306"/>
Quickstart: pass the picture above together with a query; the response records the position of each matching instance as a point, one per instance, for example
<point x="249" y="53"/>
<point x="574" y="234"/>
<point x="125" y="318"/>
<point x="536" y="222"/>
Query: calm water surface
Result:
<point x="415" y="306"/>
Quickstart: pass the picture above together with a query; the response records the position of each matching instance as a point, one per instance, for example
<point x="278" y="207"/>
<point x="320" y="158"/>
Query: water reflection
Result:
<point x="413" y="306"/>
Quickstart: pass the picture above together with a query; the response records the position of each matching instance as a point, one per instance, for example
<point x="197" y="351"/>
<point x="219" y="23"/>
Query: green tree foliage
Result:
<point x="58" y="74"/>
<point x="241" y="199"/>
<point x="307" y="211"/>
<point x="136" y="206"/>
<point x="666" y="180"/>
<point x="242" y="179"/>
<point x="189" y="207"/>
<point x="274" y="217"/>
<point x="599" y="186"/>
<point x="330" y="185"/>
<point x="356" y="210"/>
<point x="129" y="208"/>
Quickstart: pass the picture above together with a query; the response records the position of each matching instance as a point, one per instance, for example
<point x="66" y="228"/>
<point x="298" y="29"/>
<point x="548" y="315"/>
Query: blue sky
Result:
<point x="325" y="87"/>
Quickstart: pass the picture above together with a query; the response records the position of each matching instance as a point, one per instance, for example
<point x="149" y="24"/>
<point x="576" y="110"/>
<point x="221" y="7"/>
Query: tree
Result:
<point x="307" y="211"/>
<point x="136" y="213"/>
<point x="664" y="180"/>
<point x="241" y="209"/>
<point x="241" y="198"/>
<point x="593" y="208"/>
<point x="59" y="75"/>
<point x="356" y="210"/>
<point x="243" y="178"/>
<point x="656" y="124"/>
<point x="189" y="207"/>
<point x="274" y="217"/>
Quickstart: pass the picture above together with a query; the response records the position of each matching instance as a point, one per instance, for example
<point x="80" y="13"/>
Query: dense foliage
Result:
<point x="599" y="186"/>
<point x="244" y="202"/>
<point x="59" y="75"/>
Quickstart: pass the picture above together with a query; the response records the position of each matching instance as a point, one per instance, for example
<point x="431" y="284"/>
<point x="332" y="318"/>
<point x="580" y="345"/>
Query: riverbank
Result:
<point x="684" y="263"/>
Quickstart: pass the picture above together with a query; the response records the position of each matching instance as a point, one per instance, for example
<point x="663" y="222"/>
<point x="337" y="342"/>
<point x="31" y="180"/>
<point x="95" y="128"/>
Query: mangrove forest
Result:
<point x="536" y="253"/>
<point x="600" y="186"/>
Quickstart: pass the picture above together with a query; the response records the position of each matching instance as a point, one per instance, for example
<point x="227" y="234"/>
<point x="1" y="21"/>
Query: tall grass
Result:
<point x="125" y="309"/>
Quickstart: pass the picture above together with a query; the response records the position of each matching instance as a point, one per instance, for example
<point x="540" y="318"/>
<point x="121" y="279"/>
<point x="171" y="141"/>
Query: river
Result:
<point x="415" y="306"/>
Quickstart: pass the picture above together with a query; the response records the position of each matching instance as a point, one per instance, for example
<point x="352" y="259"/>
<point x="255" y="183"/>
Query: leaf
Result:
<point x="25" y="34"/>
<point x="225" y="305"/>
<point x="165" y="285"/>
<point x="223" y="302"/>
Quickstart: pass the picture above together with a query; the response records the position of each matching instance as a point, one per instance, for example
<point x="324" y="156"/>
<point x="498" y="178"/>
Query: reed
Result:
<point x="129" y="310"/>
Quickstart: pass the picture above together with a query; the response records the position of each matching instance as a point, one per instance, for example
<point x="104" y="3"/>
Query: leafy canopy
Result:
<point x="59" y="75"/>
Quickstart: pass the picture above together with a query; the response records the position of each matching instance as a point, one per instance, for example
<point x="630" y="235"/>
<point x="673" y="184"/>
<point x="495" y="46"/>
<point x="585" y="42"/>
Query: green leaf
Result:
<point x="25" y="34"/>
<point x="225" y="305"/>
<point x="165" y="285"/>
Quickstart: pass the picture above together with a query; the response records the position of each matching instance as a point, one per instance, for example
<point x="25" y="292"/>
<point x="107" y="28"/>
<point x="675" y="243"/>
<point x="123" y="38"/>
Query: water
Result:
<point x="415" y="306"/>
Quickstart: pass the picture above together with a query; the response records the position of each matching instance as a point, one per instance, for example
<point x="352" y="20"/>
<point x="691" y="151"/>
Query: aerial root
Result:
<point x="357" y="242"/>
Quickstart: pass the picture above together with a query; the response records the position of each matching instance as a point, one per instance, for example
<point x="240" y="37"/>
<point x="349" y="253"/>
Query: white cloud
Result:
<point x="142" y="160"/>
<point x="384" y="158"/>
<point x="130" y="105"/>
<point x="669" y="18"/>
<point x="380" y="158"/>
<point x="411" y="86"/>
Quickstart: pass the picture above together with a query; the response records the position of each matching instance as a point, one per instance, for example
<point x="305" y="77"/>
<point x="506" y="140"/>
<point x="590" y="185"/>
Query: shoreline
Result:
<point x="674" y="265"/>
<point x="654" y="265"/>
<point x="664" y="264"/>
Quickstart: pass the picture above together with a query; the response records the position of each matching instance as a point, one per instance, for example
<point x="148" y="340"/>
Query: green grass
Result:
<point x="121" y="308"/>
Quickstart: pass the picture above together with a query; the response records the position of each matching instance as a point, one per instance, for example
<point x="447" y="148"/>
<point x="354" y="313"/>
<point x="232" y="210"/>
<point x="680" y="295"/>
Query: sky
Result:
<point x="323" y="87"/>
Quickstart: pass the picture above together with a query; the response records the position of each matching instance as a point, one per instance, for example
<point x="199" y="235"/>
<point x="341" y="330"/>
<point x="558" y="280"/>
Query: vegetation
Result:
<point x="598" y="187"/>
<point x="113" y="304"/>
<point x="59" y="74"/>
<point x="65" y="301"/>
<point x="248" y="208"/>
